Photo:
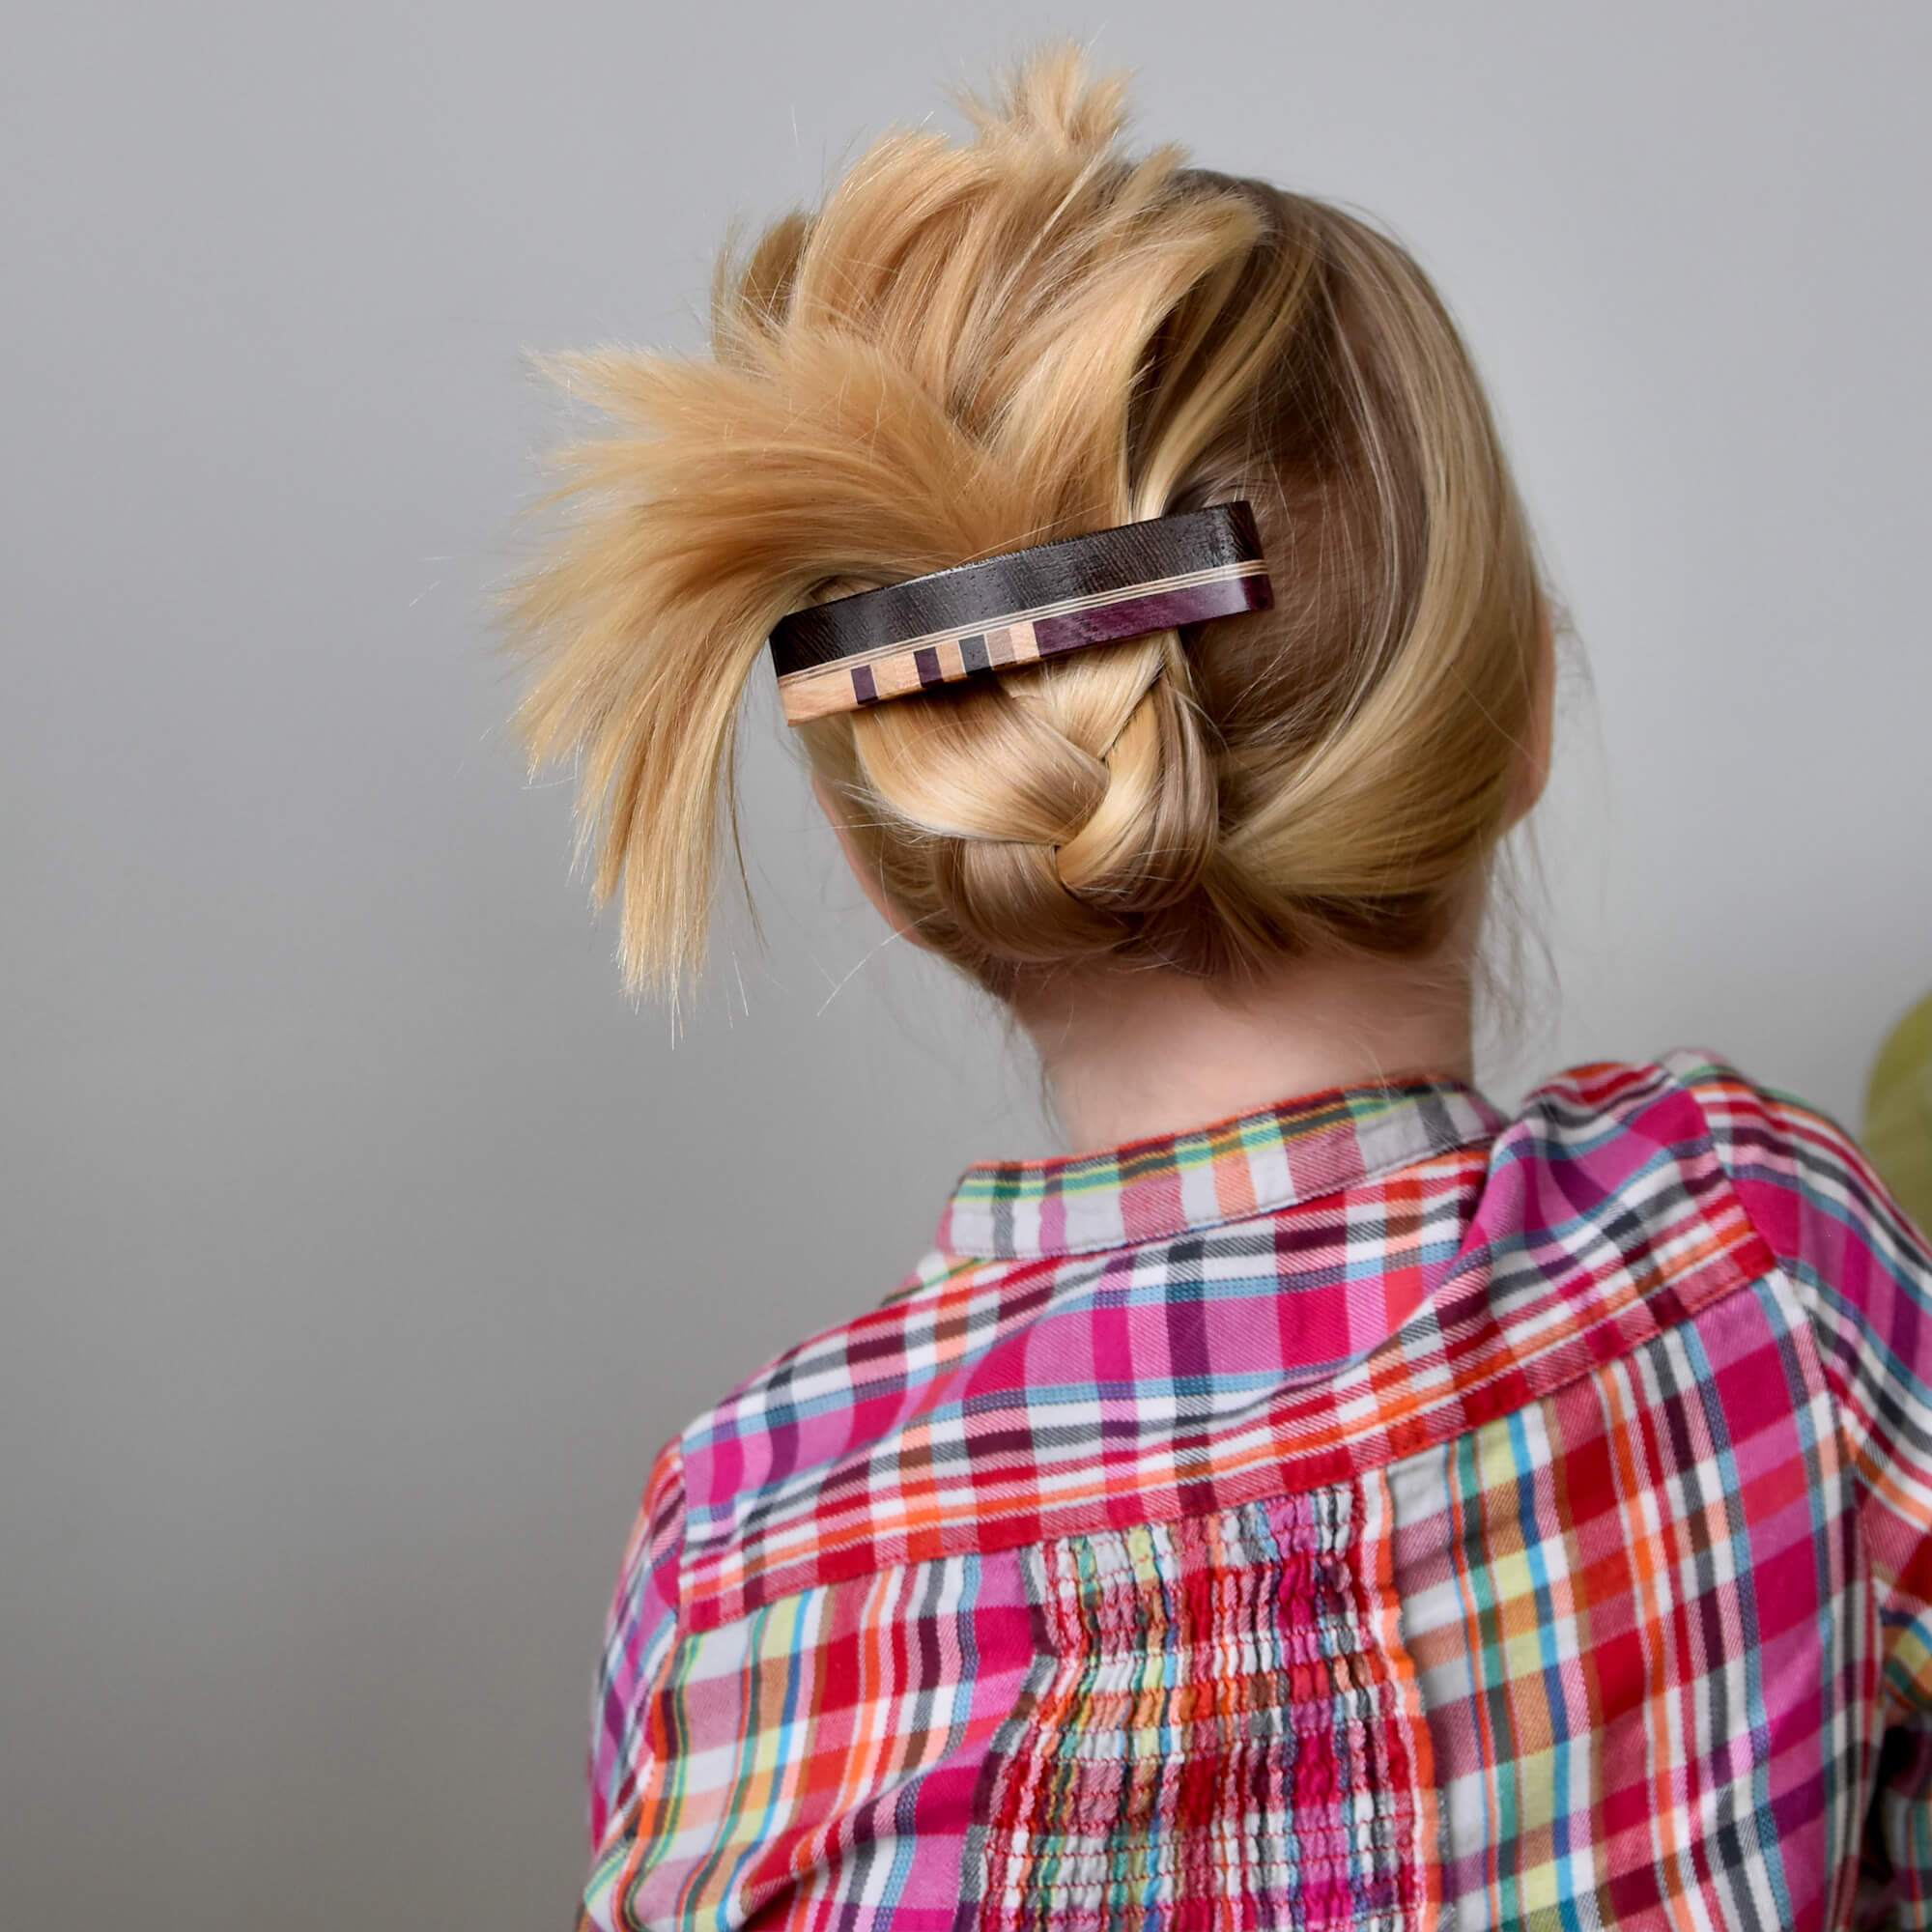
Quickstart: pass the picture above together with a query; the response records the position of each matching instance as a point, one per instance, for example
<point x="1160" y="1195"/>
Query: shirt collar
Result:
<point x="1150" y="1190"/>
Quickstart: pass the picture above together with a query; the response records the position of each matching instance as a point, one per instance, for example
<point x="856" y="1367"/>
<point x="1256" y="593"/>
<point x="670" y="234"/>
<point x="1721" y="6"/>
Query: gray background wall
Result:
<point x="360" y="1243"/>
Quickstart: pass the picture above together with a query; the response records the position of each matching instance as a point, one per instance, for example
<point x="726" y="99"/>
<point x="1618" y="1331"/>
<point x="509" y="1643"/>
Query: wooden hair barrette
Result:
<point x="1018" y="608"/>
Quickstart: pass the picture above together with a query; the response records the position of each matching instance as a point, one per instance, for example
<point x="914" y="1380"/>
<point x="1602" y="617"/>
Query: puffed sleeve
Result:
<point x="640" y="1642"/>
<point x="1865" y="1272"/>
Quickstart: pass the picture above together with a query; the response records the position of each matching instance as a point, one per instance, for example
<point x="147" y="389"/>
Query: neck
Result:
<point x="1130" y="1055"/>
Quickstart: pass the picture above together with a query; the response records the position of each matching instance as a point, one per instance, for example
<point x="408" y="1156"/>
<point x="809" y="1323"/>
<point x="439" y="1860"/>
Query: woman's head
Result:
<point x="974" y="348"/>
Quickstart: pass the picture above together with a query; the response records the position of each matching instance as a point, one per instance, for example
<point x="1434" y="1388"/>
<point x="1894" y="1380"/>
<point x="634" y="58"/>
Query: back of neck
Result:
<point x="1132" y="1056"/>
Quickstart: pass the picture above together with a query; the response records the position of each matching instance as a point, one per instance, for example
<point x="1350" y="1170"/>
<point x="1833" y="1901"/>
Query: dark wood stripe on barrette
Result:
<point x="1018" y="608"/>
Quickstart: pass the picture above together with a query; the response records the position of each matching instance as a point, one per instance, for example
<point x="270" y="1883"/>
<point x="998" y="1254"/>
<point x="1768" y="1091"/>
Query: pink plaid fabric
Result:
<point x="1369" y="1511"/>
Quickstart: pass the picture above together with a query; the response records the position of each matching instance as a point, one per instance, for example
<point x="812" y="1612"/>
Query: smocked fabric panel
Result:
<point x="1216" y="1734"/>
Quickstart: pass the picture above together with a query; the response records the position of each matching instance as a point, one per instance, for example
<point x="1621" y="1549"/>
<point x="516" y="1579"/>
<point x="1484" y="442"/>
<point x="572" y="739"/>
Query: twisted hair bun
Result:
<point x="971" y="347"/>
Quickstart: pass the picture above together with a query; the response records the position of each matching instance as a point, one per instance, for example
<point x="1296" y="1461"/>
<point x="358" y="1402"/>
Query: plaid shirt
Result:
<point x="1369" y="1511"/>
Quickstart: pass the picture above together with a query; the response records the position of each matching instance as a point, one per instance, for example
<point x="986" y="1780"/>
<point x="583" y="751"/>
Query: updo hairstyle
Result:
<point x="971" y="347"/>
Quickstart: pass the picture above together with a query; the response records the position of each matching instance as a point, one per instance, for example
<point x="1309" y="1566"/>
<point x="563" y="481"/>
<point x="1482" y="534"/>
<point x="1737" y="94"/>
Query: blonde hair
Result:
<point x="974" y="347"/>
